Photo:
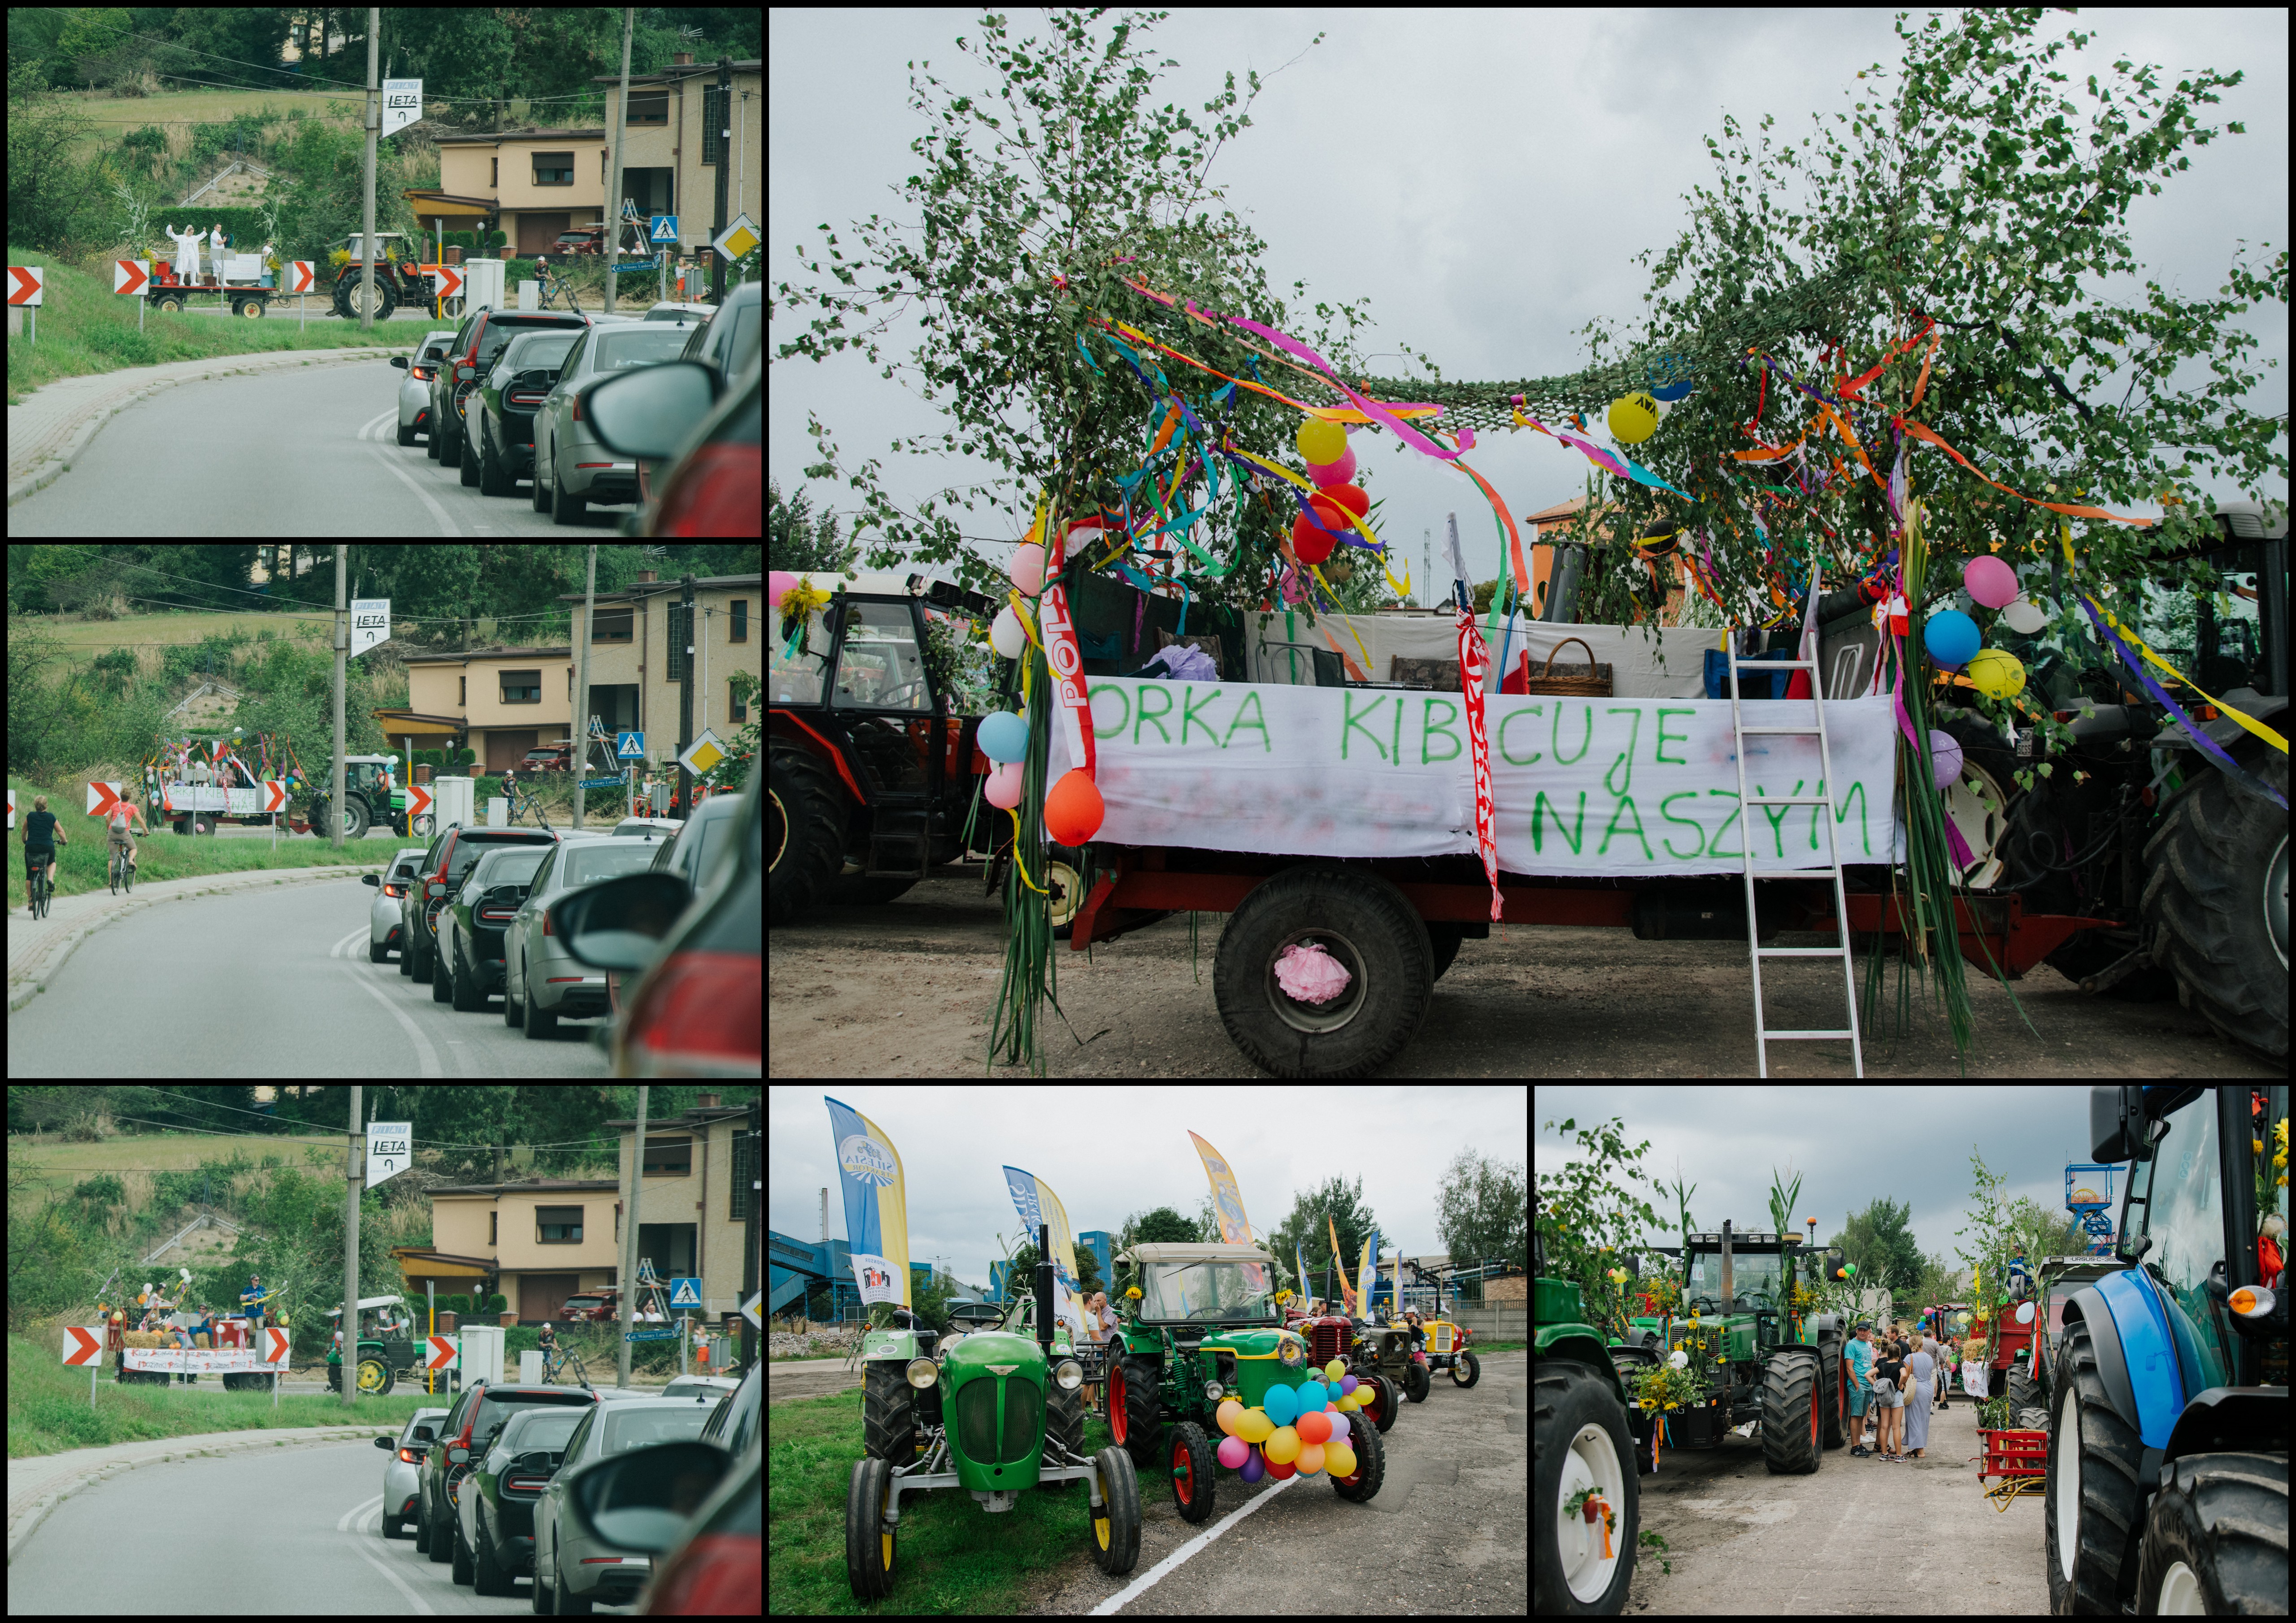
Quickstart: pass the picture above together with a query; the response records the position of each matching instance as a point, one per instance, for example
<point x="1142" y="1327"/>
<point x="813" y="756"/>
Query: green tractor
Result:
<point x="1201" y="1324"/>
<point x="1593" y="1448"/>
<point x="1018" y="1408"/>
<point x="387" y="1346"/>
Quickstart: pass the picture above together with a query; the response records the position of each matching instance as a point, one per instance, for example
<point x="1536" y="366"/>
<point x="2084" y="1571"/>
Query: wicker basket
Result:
<point x="1594" y="684"/>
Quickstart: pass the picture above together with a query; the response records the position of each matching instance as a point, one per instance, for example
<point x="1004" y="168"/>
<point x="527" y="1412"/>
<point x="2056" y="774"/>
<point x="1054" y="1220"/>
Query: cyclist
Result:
<point x="115" y="823"/>
<point x="40" y="835"/>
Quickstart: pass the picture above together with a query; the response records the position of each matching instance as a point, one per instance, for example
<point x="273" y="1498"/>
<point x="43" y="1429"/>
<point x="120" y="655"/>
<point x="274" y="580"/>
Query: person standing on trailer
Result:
<point x="187" y="254"/>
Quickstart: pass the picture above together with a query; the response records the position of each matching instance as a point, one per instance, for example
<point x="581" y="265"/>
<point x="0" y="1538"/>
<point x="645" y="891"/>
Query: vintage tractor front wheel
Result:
<point x="889" y="1415"/>
<point x="1135" y="1417"/>
<point x="1465" y="1371"/>
<point x="1370" y="1464"/>
<point x="869" y="1541"/>
<point x="2092" y="1507"/>
<point x="1418" y="1382"/>
<point x="1193" y="1487"/>
<point x="1582" y="1454"/>
<point x="376" y="1377"/>
<point x="2209" y="1546"/>
<point x="1116" y="1522"/>
<point x="1064" y="1425"/>
<point x="1387" y="1398"/>
<point x="1791" y="1411"/>
<point x="1364" y="925"/>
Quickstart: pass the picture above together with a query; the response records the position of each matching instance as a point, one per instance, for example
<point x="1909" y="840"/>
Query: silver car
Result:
<point x="414" y="389"/>
<point x="401" y="1477"/>
<point x="585" y="1571"/>
<point x="571" y="469"/>
<point x="708" y="835"/>
<point x="382" y="916"/>
<point x="542" y="982"/>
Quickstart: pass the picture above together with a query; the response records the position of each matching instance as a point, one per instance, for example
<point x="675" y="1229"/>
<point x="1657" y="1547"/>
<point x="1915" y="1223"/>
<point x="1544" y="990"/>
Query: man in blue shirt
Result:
<point x="1858" y="1355"/>
<point x="251" y="1300"/>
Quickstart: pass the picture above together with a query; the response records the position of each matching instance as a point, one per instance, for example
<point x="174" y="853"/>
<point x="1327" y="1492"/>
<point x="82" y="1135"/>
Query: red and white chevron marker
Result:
<point x="275" y="1350"/>
<point x="299" y="277"/>
<point x="129" y="276"/>
<point x="442" y="1353"/>
<point x="450" y="281"/>
<point x="25" y="284"/>
<point x="102" y="797"/>
<point x="418" y="802"/>
<point x="83" y="1345"/>
<point x="275" y="795"/>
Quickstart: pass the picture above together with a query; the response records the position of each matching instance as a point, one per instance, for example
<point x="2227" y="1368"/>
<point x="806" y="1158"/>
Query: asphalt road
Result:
<point x="294" y="1533"/>
<point x="303" y="452"/>
<point x="261" y="982"/>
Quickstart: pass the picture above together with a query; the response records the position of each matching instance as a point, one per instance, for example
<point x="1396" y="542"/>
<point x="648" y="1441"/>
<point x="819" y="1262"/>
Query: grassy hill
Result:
<point x="52" y="1163"/>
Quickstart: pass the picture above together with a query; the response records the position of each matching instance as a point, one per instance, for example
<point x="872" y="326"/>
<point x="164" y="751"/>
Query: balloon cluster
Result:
<point x="1955" y="643"/>
<point x="1303" y="1428"/>
<point x="1074" y="809"/>
<point x="1332" y="466"/>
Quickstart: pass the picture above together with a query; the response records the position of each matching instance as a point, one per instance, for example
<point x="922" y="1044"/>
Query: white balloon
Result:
<point x="2024" y="617"/>
<point x="1005" y="633"/>
<point x="1679" y="1358"/>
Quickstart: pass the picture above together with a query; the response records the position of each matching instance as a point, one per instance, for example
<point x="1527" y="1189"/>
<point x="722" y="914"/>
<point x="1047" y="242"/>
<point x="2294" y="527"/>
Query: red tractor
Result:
<point x="1379" y="1356"/>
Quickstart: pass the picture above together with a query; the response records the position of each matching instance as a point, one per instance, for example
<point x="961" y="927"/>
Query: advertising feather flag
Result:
<point x="1037" y="1203"/>
<point x="1227" y="1206"/>
<point x="1339" y="1262"/>
<point x="876" y="1204"/>
<point x="1367" y="1270"/>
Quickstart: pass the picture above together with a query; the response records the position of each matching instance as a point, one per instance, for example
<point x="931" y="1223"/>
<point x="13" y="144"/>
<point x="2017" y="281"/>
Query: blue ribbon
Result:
<point x="2160" y="695"/>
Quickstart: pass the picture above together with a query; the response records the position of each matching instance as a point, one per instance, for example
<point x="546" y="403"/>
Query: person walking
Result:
<point x="1921" y="1387"/>
<point x="1888" y="1395"/>
<point x="1859" y="1356"/>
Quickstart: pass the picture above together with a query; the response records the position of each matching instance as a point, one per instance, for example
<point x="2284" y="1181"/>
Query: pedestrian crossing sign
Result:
<point x="685" y="1293"/>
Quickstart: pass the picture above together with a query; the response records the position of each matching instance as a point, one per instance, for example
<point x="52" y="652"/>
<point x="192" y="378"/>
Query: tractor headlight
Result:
<point x="1214" y="1391"/>
<point x="923" y="1372"/>
<point x="1069" y="1373"/>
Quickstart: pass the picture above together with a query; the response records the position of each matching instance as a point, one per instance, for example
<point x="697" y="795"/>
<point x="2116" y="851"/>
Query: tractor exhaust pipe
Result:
<point x="1044" y="1289"/>
<point x="1729" y="1294"/>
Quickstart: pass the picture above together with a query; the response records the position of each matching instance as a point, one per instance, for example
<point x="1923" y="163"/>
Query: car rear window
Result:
<point x="642" y="344"/>
<point x="469" y="847"/>
<point x="541" y="349"/>
<point x="500" y="331"/>
<point x="644" y="1428"/>
<point x="512" y="867"/>
<point x="546" y="1430"/>
<point x="591" y="862"/>
<point x="495" y="1413"/>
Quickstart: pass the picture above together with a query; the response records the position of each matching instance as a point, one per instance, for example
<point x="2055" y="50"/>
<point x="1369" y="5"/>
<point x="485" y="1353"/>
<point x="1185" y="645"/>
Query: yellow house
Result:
<point x="502" y="704"/>
<point x="693" y="1200"/>
<point x="672" y="148"/>
<point x="540" y="183"/>
<point x="637" y="656"/>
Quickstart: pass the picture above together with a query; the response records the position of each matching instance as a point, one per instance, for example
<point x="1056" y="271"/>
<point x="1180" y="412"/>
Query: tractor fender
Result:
<point x="2225" y="1419"/>
<point x="812" y="740"/>
<point x="2126" y="1327"/>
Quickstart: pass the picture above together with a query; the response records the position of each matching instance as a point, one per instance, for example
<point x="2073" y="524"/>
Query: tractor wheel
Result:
<point x="808" y="847"/>
<point x="868" y="1540"/>
<point x="1115" y="1541"/>
<point x="1370" y="1464"/>
<point x="2029" y="1410"/>
<point x="1195" y="1471"/>
<point x="1064" y="1425"/>
<point x="1791" y="1411"/>
<point x="2092" y="1509"/>
<point x="1581" y="1445"/>
<point x="1833" y="1380"/>
<point x="349" y="304"/>
<point x="1366" y="925"/>
<point x="376" y="1377"/>
<point x="2210" y="1540"/>
<point x="1445" y="939"/>
<point x="1387" y="1402"/>
<point x="889" y="1414"/>
<point x="1978" y="801"/>
<point x="1465" y="1371"/>
<point x="1417" y="1381"/>
<point x="1135" y="1409"/>
<point x="2216" y="898"/>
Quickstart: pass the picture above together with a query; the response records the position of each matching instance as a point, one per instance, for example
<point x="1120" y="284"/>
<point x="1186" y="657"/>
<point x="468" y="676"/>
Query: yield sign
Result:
<point x="102" y="798"/>
<point x="299" y="277"/>
<point x="450" y="280"/>
<point x="82" y="1346"/>
<point x="418" y="802"/>
<point x="24" y="283"/>
<point x="275" y="1350"/>
<point x="441" y="1355"/>
<point x="128" y="277"/>
<point x="275" y="795"/>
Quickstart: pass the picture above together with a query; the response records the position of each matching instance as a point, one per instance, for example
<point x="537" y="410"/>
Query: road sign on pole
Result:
<point x="389" y="1149"/>
<point x="83" y="1345"/>
<point x="684" y="1291"/>
<point x="442" y="1353"/>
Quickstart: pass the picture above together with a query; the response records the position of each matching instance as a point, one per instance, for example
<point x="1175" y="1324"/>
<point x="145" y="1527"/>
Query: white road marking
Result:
<point x="426" y="1056"/>
<point x="354" y="1524"/>
<point x="447" y="526"/>
<point x="1123" y="1597"/>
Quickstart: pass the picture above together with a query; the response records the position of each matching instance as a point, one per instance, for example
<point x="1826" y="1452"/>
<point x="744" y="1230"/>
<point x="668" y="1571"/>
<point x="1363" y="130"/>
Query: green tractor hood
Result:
<point x="993" y="1386"/>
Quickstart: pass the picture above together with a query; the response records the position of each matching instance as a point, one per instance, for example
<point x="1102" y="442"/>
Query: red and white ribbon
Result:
<point x="1473" y="664"/>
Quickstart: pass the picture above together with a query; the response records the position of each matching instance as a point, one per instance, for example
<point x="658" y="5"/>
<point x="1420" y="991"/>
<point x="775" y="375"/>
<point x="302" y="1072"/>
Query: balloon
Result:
<point x="1951" y="637"/>
<point x="1336" y="1369"/>
<point x="1945" y="758"/>
<point x="777" y="586"/>
<point x="1327" y="474"/>
<point x="1279" y="1471"/>
<point x="1007" y="781"/>
<point x="1349" y="497"/>
<point x="1225" y="1416"/>
<point x="1322" y="441"/>
<point x="1634" y="418"/>
<point x="1315" y="1428"/>
<point x="1340" y="1426"/>
<point x="1340" y="1461"/>
<point x="1074" y="810"/>
<point x="1347" y="1383"/>
<point x="1002" y="736"/>
<point x="1005" y="633"/>
<point x="1254" y="1467"/>
<point x="1312" y="544"/>
<point x="1027" y="567"/>
<point x="1282" y="1446"/>
<point x="1255" y="1426"/>
<point x="1311" y="1459"/>
<point x="1350" y="1404"/>
<point x="1991" y="583"/>
<point x="1997" y="673"/>
<point x="1233" y="1452"/>
<point x="2024" y="617"/>
<point x="1283" y="1407"/>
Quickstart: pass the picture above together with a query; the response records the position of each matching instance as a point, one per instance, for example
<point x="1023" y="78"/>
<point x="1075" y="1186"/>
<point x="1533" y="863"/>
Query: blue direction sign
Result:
<point x="656" y="1334"/>
<point x="664" y="229"/>
<point x="601" y="782"/>
<point x="685" y="1293"/>
<point x="630" y="746"/>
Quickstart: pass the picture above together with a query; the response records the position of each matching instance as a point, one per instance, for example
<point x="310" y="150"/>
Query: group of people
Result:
<point x="1895" y="1378"/>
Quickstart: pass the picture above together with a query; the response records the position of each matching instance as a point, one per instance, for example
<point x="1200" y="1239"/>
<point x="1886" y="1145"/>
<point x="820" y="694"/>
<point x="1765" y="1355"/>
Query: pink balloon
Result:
<point x="1005" y="785"/>
<point x="1027" y="567"/>
<point x="1326" y="473"/>
<point x="1233" y="1452"/>
<point x="779" y="583"/>
<point x="1992" y="583"/>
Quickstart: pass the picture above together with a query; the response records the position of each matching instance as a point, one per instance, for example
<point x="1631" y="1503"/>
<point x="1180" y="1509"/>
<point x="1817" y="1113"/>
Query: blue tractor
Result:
<point x="2167" y="1474"/>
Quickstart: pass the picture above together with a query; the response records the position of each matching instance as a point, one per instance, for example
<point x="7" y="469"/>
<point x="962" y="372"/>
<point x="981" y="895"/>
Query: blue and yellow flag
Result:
<point x="1037" y="1203"/>
<point x="876" y="1204"/>
<point x="1367" y="1270"/>
<point x="1227" y="1203"/>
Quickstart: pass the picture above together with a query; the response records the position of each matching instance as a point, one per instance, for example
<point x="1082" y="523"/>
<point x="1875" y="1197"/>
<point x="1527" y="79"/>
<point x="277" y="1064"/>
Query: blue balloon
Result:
<point x="1951" y="637"/>
<point x="1004" y="737"/>
<point x="1671" y="392"/>
<point x="1281" y="1408"/>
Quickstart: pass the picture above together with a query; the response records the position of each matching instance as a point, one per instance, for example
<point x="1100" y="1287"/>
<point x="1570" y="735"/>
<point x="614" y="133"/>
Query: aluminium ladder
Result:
<point x="1806" y="650"/>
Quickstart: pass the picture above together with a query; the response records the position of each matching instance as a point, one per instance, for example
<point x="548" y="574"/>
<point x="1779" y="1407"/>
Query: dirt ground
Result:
<point x="904" y="991"/>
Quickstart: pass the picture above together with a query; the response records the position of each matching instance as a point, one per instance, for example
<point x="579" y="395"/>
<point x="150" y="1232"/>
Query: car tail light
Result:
<point x="715" y="493"/>
<point x="515" y="1484"/>
<point x="410" y="1456"/>
<point x="528" y="398"/>
<point x="497" y="913"/>
<point x="718" y="1575"/>
<point x="701" y="1014"/>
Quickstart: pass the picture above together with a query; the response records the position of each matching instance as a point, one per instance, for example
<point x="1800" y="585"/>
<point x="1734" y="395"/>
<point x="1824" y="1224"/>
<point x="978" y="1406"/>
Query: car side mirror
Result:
<point x="649" y="413"/>
<point x="371" y="879"/>
<point x="426" y="1434"/>
<point x="398" y="361"/>
<point x="641" y="1500"/>
<point x="384" y="1442"/>
<point x="619" y="924"/>
<point x="435" y="889"/>
<point x="466" y="373"/>
<point x="457" y="1455"/>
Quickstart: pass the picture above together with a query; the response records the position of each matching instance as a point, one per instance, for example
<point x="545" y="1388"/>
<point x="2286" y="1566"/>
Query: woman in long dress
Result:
<point x="187" y="253"/>
<point x="1920" y="1383"/>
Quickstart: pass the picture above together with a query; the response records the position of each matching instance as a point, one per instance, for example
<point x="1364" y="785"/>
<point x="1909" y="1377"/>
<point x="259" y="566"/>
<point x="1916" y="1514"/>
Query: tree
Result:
<point x="1880" y="1245"/>
<point x="798" y="541"/>
<point x="1480" y="1215"/>
<point x="1591" y="1220"/>
<point x="1308" y="1230"/>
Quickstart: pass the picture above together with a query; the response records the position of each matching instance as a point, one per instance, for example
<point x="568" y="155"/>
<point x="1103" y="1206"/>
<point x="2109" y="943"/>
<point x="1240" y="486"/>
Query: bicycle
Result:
<point x="36" y="889"/>
<point x="123" y="872"/>
<point x="554" y="1362"/>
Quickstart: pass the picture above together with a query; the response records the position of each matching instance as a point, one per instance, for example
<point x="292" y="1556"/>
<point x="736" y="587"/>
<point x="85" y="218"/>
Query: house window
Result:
<point x="554" y="169"/>
<point x="612" y="626"/>
<point x="521" y="687"/>
<point x="713" y="122"/>
<point x="737" y="1204"/>
<point x="494" y="173"/>
<point x="735" y="711"/>
<point x="740" y="610"/>
<point x="676" y="630"/>
<point x="650" y="108"/>
<point x="494" y="1228"/>
<point x="462" y="692"/>
<point x="668" y="1157"/>
<point x="558" y="1225"/>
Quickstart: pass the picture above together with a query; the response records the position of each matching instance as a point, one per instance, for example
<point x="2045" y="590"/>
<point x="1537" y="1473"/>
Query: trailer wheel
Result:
<point x="2093" y="1508"/>
<point x="1363" y="921"/>
<point x="808" y="847"/>
<point x="168" y="302"/>
<point x="2209" y="1545"/>
<point x="251" y="310"/>
<point x="2215" y="897"/>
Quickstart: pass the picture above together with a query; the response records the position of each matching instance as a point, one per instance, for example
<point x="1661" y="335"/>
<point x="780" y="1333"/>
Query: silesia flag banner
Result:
<point x="1367" y="1270"/>
<point x="1339" y="1262"/>
<point x="876" y="1204"/>
<point x="1227" y="1203"/>
<point x="1037" y="1203"/>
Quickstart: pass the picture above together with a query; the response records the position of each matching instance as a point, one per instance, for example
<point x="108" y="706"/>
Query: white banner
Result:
<point x="370" y="623"/>
<point x="198" y="1360"/>
<point x="1583" y="786"/>
<point x="878" y="1280"/>
<point x="402" y="104"/>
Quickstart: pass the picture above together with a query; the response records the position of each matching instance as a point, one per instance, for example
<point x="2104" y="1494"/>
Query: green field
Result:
<point x="51" y="1160"/>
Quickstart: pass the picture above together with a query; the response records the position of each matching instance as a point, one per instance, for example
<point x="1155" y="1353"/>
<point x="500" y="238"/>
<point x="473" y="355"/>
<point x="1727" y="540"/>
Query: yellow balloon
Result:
<point x="1283" y="1446"/>
<point x="1311" y="1459"/>
<point x="1348" y="1403"/>
<point x="1336" y="1369"/>
<point x="1255" y="1426"/>
<point x="1997" y="673"/>
<point x="1634" y="418"/>
<point x="1338" y="1459"/>
<point x="1227" y="1415"/>
<point x="1322" y="442"/>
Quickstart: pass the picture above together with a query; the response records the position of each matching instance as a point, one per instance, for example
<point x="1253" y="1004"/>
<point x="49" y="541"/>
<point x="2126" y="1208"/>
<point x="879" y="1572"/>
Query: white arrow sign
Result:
<point x="275" y="1349"/>
<point x="442" y="1353"/>
<point x="389" y="1149"/>
<point x="83" y="1344"/>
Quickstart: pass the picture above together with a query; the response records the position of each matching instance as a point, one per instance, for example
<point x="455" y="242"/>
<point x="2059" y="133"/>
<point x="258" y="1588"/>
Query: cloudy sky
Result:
<point x="1535" y="154"/>
<point x="1109" y="1152"/>
<point x="1728" y="1140"/>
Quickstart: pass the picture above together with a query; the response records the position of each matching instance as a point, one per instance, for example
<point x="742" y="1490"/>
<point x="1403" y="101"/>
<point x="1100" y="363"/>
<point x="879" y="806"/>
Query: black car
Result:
<point x="470" y="926"/>
<point x="500" y="417"/>
<point x="462" y="1441"/>
<point x="445" y="866"/>
<point x="477" y="342"/>
<point x="494" y="1516"/>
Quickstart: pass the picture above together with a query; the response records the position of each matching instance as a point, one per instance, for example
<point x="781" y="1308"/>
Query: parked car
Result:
<point x="548" y="757"/>
<point x="589" y="1307"/>
<point x="402" y="1473"/>
<point x="706" y="434"/>
<point x="706" y="836"/>
<point x="581" y="240"/>
<point x="477" y="342"/>
<point x="542" y="984"/>
<point x="733" y="1424"/>
<point x="570" y="469"/>
<point x="649" y="828"/>
<point x="383" y="913"/>
<point x="414" y="388"/>
<point x="574" y="1570"/>
<point x="685" y="312"/>
<point x="711" y="1387"/>
<point x="470" y="930"/>
<point x="463" y="1437"/>
<point x="699" y="1008"/>
<point x="499" y="418"/>
<point x="712" y="1563"/>
<point x="494" y="1514"/>
<point x="732" y="335"/>
<point x="445" y="864"/>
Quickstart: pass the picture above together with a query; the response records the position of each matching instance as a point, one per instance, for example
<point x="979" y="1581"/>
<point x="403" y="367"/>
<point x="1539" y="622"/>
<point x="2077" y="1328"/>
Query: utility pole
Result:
<point x="685" y="691"/>
<point x="750" y="1236"/>
<point x="353" y="1174"/>
<point x="589" y="596"/>
<point x="632" y="1183"/>
<point x="343" y="615"/>
<point x="366" y="280"/>
<point x="614" y="202"/>
<point x="724" y="162"/>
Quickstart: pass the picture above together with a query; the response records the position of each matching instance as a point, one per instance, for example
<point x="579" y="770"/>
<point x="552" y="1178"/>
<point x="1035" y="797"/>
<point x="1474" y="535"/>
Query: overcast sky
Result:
<point x="1111" y="1151"/>
<point x="1910" y="1146"/>
<point x="1533" y="154"/>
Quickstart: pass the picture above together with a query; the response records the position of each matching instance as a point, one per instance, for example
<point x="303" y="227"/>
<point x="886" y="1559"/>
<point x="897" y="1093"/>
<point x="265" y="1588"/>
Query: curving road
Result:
<point x="301" y="453"/>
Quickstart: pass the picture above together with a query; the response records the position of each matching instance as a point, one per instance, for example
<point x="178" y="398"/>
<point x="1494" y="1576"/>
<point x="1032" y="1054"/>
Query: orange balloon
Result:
<point x="1315" y="1428"/>
<point x="1074" y="810"/>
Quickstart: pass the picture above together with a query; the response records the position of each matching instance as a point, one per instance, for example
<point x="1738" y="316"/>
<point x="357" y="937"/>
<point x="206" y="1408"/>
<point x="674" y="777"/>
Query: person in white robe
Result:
<point x="187" y="253"/>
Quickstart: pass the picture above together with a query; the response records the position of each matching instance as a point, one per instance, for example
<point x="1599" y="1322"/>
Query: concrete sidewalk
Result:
<point x="52" y="426"/>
